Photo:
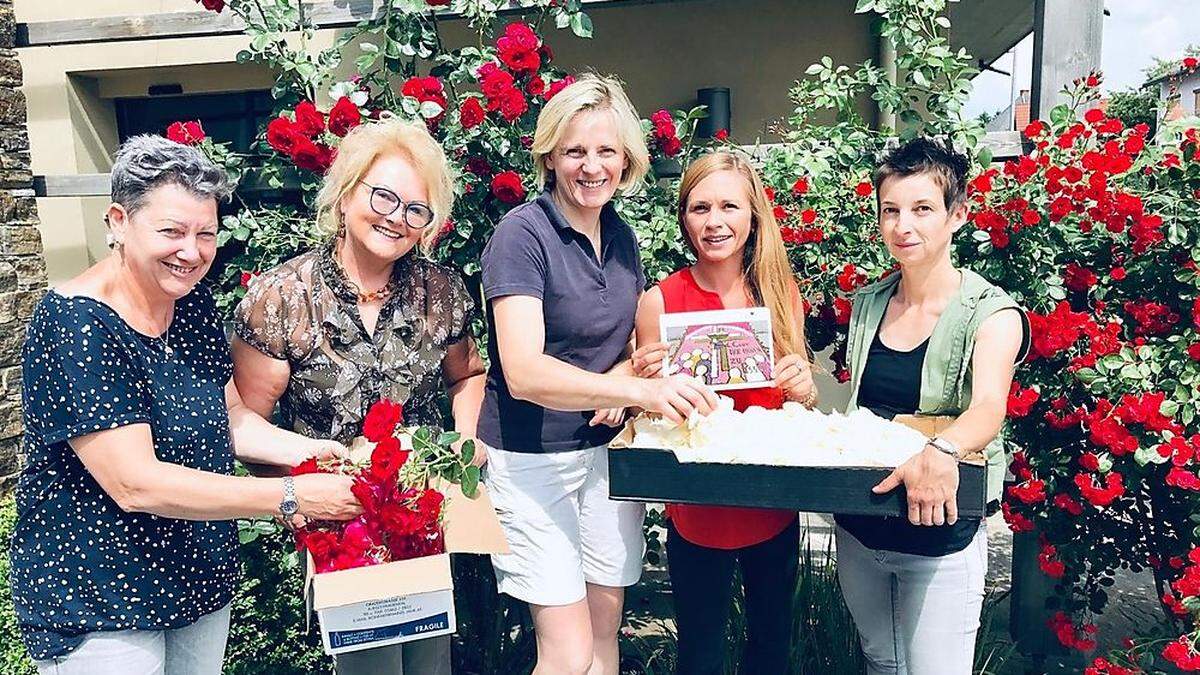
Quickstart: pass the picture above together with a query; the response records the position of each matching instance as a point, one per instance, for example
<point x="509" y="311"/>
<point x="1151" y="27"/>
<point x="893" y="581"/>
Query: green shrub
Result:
<point x="13" y="658"/>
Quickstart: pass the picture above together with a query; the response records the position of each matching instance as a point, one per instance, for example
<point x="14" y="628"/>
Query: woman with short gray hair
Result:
<point x="124" y="554"/>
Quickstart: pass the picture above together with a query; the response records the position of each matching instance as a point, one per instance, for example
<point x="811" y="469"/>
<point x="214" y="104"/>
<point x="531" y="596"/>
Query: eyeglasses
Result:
<point x="385" y="202"/>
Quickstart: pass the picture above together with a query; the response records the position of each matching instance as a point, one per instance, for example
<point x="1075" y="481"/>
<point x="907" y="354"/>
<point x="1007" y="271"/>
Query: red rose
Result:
<point x="281" y="135"/>
<point x="493" y="81"/>
<point x="309" y="120"/>
<point x="471" y="113"/>
<point x="1035" y="129"/>
<point x="247" y="277"/>
<point x="307" y="466"/>
<point x="344" y="116"/>
<point x="438" y="3"/>
<point x="479" y="166"/>
<point x="536" y="86"/>
<point x="1089" y="461"/>
<point x="863" y="189"/>
<point x="367" y="494"/>
<point x="512" y="104"/>
<point x="721" y="135"/>
<point x="186" y="133"/>
<point x="381" y="420"/>
<point x="312" y="156"/>
<point x="558" y="86"/>
<point x="850" y="278"/>
<point x="808" y="216"/>
<point x="506" y="186"/>
<point x="1049" y="562"/>
<point x="1078" y="278"/>
<point x="386" y="460"/>
<point x="800" y="187"/>
<point x="1093" y="116"/>
<point x="1020" y="401"/>
<point x="841" y="311"/>
<point x="518" y="48"/>
<point x="213" y="5"/>
<point x="1194" y="351"/>
<point x="1190" y="62"/>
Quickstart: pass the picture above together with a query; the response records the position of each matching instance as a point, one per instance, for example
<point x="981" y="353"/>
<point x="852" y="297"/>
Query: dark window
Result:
<point x="232" y="117"/>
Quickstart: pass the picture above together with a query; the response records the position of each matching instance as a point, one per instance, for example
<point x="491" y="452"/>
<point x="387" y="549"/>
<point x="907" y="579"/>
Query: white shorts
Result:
<point x="563" y="530"/>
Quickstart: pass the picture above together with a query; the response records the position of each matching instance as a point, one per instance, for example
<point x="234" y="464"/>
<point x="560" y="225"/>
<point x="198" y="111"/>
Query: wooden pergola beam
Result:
<point x="324" y="14"/>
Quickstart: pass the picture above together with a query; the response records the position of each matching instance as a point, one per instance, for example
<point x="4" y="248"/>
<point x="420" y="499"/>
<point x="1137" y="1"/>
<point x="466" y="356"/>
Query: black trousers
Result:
<point x="702" y="589"/>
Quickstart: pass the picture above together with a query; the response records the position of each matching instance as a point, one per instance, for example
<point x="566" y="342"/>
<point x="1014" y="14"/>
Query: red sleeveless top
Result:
<point x="722" y="527"/>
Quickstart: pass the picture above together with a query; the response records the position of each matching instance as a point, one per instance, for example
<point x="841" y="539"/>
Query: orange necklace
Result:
<point x="369" y="296"/>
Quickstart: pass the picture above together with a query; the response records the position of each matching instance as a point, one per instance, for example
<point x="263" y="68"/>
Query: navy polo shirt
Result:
<point x="588" y="305"/>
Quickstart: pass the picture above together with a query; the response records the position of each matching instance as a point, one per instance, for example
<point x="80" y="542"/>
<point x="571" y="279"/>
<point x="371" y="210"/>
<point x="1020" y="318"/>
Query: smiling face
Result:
<point x="718" y="216"/>
<point x="588" y="161"/>
<point x="170" y="241"/>
<point x="385" y="237"/>
<point x="914" y="221"/>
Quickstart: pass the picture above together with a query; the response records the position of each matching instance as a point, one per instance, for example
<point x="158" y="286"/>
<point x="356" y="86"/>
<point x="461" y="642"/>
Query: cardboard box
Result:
<point x="653" y="475"/>
<point x="408" y="600"/>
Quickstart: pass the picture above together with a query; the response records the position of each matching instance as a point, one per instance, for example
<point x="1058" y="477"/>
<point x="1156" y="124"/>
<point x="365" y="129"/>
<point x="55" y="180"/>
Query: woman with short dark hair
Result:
<point x="124" y="554"/>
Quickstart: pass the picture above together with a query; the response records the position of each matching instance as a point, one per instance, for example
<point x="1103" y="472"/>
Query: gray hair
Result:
<point x="145" y="162"/>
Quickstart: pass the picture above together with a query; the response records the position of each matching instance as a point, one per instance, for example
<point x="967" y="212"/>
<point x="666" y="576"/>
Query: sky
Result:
<point x="1136" y="32"/>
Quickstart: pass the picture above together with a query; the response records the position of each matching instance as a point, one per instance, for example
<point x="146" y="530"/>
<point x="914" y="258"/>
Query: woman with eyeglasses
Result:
<point x="365" y="316"/>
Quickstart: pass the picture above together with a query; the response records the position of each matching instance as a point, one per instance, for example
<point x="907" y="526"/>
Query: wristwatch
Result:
<point x="288" y="506"/>
<point x="945" y="446"/>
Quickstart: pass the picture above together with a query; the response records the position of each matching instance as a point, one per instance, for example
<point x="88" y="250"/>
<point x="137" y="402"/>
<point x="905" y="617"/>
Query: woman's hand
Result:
<point x="311" y="448"/>
<point x="648" y="360"/>
<point x="479" y="457"/>
<point x="931" y="480"/>
<point x="326" y="496"/>
<point x="676" y="397"/>
<point x="611" y="417"/>
<point x="793" y="375"/>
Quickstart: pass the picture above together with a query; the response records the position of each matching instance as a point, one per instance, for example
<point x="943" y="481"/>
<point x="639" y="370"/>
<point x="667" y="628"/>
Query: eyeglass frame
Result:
<point x="400" y="203"/>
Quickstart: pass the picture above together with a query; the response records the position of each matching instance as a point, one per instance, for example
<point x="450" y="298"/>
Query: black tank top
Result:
<point x="890" y="386"/>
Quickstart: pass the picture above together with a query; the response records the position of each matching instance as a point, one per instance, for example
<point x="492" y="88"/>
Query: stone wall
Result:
<point x="22" y="265"/>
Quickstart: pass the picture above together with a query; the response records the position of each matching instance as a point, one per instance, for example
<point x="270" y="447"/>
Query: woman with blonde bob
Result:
<point x="562" y="275"/>
<point x="364" y="316"/>
<point x="727" y="222"/>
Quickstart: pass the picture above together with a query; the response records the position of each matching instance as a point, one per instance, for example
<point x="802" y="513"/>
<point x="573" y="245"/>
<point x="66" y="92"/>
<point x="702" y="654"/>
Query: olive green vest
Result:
<point x="946" y="372"/>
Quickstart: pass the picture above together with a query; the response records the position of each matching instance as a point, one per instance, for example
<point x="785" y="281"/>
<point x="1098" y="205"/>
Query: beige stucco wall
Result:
<point x="664" y="51"/>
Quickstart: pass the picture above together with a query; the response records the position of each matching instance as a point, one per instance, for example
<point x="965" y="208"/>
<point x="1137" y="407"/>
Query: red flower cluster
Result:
<point x="1100" y="497"/>
<point x="398" y="522"/>
<point x="296" y="137"/>
<point x="1016" y="521"/>
<point x="1056" y="331"/>
<point x="502" y="94"/>
<point x="1183" y="654"/>
<point x="1029" y="492"/>
<point x="1049" y="563"/>
<point x="213" y="5"/>
<point x="1020" y="401"/>
<point x="850" y="278"/>
<point x="427" y="90"/>
<point x="1078" y="278"/>
<point x="1152" y="318"/>
<point x="1072" y="636"/>
<point x="664" y="134"/>
<point x="1102" y="666"/>
<point x="187" y="133"/>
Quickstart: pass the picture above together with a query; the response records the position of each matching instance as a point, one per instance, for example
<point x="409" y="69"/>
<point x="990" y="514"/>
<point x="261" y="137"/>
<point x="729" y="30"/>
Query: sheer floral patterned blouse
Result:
<point x="305" y="311"/>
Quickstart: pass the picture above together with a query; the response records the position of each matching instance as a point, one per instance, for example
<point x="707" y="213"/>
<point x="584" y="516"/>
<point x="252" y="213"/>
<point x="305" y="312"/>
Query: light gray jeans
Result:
<point x="195" y="649"/>
<point x="915" y="614"/>
<point x="422" y="657"/>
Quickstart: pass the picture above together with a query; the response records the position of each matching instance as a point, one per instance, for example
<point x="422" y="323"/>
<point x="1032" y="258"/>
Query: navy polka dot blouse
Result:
<point x="79" y="563"/>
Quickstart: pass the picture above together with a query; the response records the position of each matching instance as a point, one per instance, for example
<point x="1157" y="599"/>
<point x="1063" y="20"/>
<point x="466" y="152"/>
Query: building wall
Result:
<point x="1182" y="96"/>
<point x="664" y="51"/>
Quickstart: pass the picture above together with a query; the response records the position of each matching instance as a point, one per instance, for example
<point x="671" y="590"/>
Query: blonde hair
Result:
<point x="765" y="266"/>
<point x="371" y="140"/>
<point x="592" y="92"/>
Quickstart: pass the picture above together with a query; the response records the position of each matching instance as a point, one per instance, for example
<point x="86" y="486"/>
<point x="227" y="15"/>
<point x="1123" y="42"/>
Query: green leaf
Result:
<point x="470" y="481"/>
<point x="581" y="25"/>
<point x="943" y="22"/>
<point x="430" y="109"/>
<point x="468" y="451"/>
<point x="864" y="6"/>
<point x="448" y="437"/>
<point x="1169" y="407"/>
<point x="1060" y="115"/>
<point x="814" y="69"/>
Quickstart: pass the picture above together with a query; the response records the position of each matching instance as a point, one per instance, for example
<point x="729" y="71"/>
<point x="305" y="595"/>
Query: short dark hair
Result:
<point x="924" y="155"/>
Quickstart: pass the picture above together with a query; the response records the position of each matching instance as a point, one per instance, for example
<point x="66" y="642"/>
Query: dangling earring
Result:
<point x="341" y="229"/>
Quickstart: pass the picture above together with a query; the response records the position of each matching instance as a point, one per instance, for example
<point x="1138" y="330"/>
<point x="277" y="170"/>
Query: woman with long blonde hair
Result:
<point x="727" y="221"/>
